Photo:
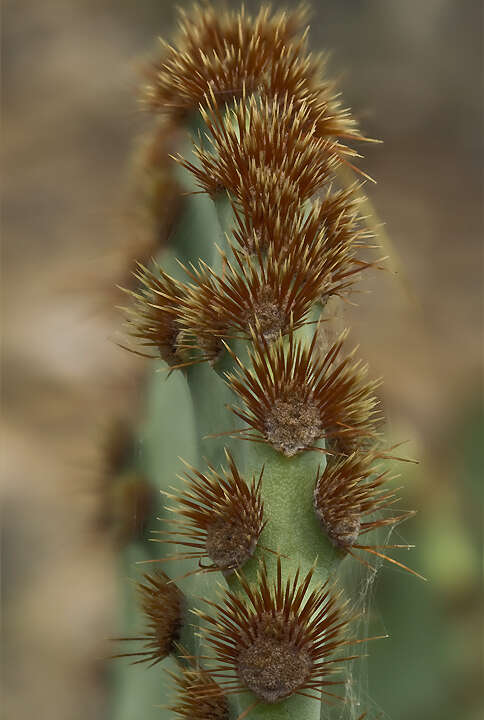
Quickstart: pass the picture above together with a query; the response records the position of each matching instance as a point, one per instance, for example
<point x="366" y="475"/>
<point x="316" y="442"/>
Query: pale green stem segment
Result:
<point x="296" y="706"/>
<point x="197" y="231"/>
<point x="168" y="432"/>
<point x="170" y="429"/>
<point x="202" y="227"/>
<point x="210" y="395"/>
<point x="225" y="215"/>
<point x="293" y="531"/>
<point x="223" y="207"/>
<point x="292" y="528"/>
<point x="136" y="686"/>
<point x="198" y="228"/>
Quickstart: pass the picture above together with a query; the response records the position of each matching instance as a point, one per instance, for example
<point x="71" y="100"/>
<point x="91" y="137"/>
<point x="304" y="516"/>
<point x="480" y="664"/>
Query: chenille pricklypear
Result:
<point x="285" y="457"/>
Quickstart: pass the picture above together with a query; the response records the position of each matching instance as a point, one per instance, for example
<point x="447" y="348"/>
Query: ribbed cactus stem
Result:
<point x="294" y="532"/>
<point x="279" y="429"/>
<point x="292" y="529"/>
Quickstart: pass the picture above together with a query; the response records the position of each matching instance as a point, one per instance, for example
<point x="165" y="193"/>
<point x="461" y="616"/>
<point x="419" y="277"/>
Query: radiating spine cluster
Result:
<point x="278" y="642"/>
<point x="219" y="518"/>
<point x="163" y="607"/>
<point x="271" y="137"/>
<point x="199" y="696"/>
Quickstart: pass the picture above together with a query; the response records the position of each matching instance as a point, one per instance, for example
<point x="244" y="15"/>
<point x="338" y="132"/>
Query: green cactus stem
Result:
<point x="281" y="435"/>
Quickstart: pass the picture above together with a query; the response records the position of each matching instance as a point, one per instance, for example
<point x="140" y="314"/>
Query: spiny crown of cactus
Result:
<point x="255" y="617"/>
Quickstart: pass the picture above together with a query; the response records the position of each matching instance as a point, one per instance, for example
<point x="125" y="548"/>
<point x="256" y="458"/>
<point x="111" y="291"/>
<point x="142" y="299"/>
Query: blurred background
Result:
<point x="412" y="73"/>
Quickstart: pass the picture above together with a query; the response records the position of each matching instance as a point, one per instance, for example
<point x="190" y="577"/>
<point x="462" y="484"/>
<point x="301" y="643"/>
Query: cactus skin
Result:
<point x="266" y="142"/>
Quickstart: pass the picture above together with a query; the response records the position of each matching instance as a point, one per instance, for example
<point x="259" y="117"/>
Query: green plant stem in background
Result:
<point x="135" y="686"/>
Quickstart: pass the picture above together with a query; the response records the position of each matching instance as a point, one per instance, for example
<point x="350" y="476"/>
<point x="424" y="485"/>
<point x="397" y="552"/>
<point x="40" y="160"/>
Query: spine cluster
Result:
<point x="272" y="142"/>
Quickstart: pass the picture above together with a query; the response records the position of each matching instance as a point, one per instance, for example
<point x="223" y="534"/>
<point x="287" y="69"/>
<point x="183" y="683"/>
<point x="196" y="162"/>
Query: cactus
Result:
<point x="285" y="467"/>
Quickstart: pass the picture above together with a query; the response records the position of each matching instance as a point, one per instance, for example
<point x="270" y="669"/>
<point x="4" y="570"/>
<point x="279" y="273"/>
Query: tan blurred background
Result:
<point x="411" y="71"/>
